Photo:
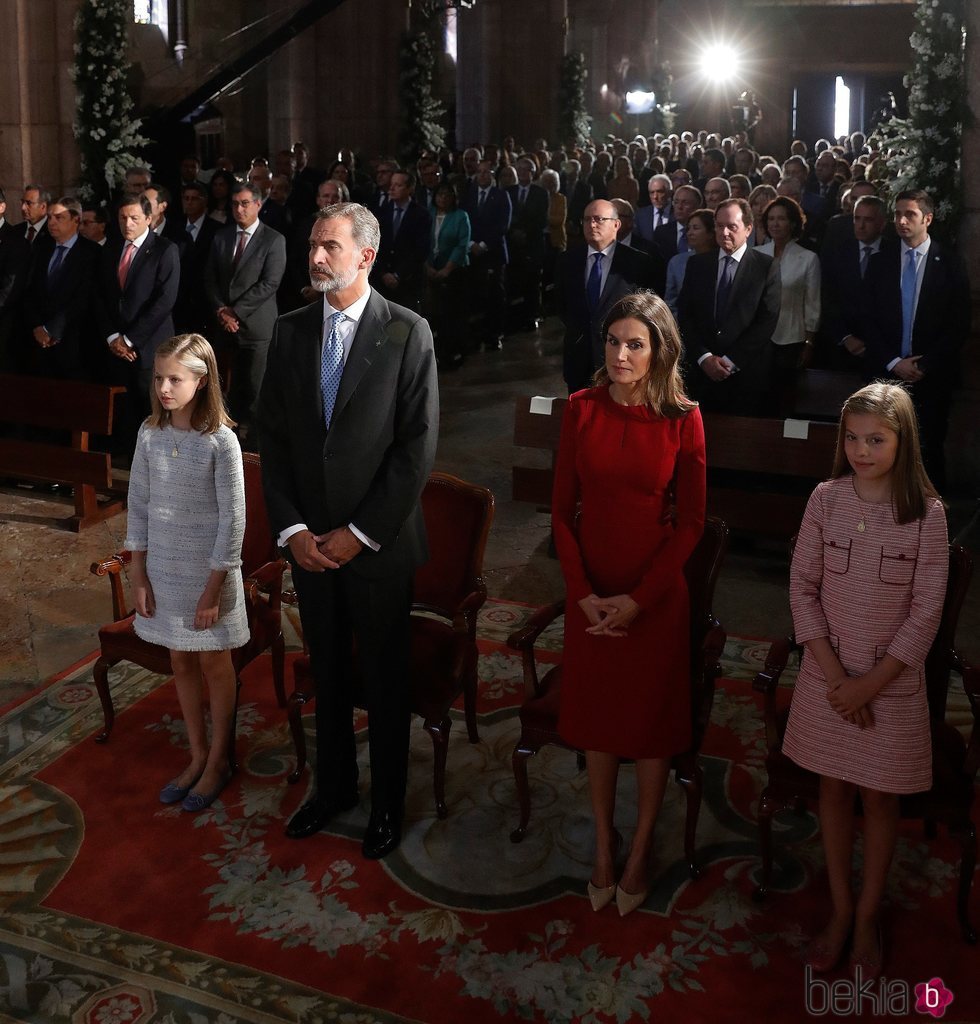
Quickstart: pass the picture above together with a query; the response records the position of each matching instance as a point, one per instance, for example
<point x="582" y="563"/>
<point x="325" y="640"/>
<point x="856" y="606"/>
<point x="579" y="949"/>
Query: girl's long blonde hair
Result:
<point x="194" y="353"/>
<point x="912" y="489"/>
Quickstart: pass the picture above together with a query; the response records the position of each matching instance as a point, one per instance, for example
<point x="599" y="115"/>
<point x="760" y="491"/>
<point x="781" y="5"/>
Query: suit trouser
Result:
<point x="341" y="613"/>
<point x="247" y="370"/>
<point x="932" y="399"/>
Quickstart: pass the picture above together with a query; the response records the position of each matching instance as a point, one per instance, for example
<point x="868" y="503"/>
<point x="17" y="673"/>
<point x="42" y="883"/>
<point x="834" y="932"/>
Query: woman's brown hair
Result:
<point x="664" y="384"/>
<point x="194" y="353"/>
<point x="911" y="487"/>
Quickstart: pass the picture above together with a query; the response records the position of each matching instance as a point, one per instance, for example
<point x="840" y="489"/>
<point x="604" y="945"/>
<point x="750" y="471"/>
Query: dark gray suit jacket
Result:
<point x="250" y="288"/>
<point x="744" y="334"/>
<point x="369" y="469"/>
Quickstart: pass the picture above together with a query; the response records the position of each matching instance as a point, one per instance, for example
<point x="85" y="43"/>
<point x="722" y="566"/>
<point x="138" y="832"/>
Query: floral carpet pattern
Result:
<point x="117" y="910"/>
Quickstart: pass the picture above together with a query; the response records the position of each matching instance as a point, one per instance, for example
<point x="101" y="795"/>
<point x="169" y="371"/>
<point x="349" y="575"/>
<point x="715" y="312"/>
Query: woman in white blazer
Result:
<point x="799" y="271"/>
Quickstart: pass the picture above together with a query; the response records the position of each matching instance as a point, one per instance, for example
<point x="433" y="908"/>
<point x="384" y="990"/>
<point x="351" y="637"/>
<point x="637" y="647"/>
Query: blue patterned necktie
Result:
<point x="593" y="289"/>
<point x="865" y="256"/>
<point x="908" y="303"/>
<point x="396" y="221"/>
<point x="682" y="245"/>
<point x="724" y="287"/>
<point x="331" y="366"/>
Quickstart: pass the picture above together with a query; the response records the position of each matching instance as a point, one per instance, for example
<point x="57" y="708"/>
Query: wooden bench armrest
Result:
<point x="971" y="686"/>
<point x="523" y="639"/>
<point x="267" y="578"/>
<point x="113" y="567"/>
<point x="766" y="682"/>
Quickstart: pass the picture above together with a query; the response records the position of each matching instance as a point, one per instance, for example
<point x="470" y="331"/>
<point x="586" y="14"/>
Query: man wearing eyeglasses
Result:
<point x="589" y="278"/>
<point x="244" y="270"/>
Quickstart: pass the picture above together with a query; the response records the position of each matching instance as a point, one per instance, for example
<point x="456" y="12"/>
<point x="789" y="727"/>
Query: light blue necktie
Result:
<point x="908" y="303"/>
<point x="593" y="288"/>
<point x="331" y="366"/>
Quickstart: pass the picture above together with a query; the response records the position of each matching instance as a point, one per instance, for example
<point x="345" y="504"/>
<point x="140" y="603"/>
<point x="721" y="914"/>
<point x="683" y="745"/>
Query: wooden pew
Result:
<point x="77" y="407"/>
<point x="540" y="430"/>
<point x="759" y="479"/>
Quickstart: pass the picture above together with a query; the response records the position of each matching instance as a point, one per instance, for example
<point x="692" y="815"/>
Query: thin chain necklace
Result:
<point x="173" y="437"/>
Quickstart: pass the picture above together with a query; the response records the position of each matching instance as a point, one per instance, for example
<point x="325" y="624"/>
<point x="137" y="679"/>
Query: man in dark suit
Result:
<point x="658" y="212"/>
<point x="15" y="255"/>
<point x="489" y="209"/>
<point x="589" y="278"/>
<point x="727" y="310"/>
<point x="843" y="268"/>
<point x="244" y="270"/>
<point x="139" y="278"/>
<point x="916" y="319"/>
<point x="406" y="228"/>
<point x="626" y="235"/>
<point x="671" y="238"/>
<point x="59" y="297"/>
<point x="192" y="314"/>
<point x="34" y="207"/>
<point x="525" y="242"/>
<point x="348" y="418"/>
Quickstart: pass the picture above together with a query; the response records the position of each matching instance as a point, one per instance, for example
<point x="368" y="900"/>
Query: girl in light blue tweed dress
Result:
<point x="186" y="526"/>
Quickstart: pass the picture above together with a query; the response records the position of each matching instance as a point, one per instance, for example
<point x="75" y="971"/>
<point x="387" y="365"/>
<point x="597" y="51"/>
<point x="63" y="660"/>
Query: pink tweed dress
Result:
<point x="872" y="591"/>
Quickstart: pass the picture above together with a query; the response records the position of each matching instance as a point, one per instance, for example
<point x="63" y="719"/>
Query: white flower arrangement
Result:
<point x="923" y="150"/>
<point x="107" y="133"/>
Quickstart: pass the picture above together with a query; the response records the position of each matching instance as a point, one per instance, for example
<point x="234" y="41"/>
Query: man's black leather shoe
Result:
<point x="315" y="813"/>
<point x="384" y="833"/>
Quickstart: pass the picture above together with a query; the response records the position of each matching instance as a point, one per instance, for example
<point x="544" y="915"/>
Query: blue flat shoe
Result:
<point x="173" y="794"/>
<point x="195" y="802"/>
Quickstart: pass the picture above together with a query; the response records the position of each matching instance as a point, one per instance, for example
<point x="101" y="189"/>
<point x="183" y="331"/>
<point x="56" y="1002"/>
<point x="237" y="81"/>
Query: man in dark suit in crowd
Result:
<point x="59" y="298"/>
<point x="589" y="278"/>
<point x="839" y="232"/>
<point x="489" y="209"/>
<point x="139" y="278"/>
<point x="843" y="268"/>
<point x="34" y="208"/>
<point x="525" y="242"/>
<point x="15" y="255"/>
<point x="916" y="319"/>
<point x="192" y="314"/>
<point x="577" y="190"/>
<point x="348" y="418"/>
<point x="405" y="234"/>
<point x="626" y="235"/>
<point x="671" y="238"/>
<point x="727" y="310"/>
<point x="659" y="212"/>
<point x="244" y="271"/>
<point x="93" y="224"/>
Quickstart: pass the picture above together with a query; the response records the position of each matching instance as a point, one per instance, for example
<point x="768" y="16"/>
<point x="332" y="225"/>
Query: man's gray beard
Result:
<point x="336" y="283"/>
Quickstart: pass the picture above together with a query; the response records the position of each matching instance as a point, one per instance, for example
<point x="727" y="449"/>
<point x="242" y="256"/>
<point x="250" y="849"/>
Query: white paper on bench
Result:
<point x="541" y="406"/>
<point x="799" y="429"/>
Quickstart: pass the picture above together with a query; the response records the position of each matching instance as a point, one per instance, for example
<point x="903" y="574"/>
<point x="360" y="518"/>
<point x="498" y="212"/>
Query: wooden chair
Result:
<point x="262" y="569"/>
<point x="449" y="591"/>
<point x="539" y="713"/>
<point x="954" y="761"/>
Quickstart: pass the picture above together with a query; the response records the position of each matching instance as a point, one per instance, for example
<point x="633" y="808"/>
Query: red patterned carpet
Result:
<point x="117" y="910"/>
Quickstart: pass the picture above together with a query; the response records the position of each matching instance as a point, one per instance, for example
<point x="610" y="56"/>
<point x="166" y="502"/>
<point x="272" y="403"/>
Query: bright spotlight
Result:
<point x="640" y="102"/>
<point x="719" y="62"/>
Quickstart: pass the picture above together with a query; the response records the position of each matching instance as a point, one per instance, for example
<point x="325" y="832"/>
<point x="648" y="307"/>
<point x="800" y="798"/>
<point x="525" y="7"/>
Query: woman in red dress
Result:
<point x="628" y="510"/>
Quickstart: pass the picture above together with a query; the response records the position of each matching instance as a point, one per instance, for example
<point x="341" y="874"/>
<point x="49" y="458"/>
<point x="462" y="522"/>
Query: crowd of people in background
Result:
<point x="486" y="242"/>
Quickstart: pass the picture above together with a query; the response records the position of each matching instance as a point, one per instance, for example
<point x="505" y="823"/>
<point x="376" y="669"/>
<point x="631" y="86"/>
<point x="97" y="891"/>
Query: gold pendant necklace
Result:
<point x="861" y="525"/>
<point x="176" y="450"/>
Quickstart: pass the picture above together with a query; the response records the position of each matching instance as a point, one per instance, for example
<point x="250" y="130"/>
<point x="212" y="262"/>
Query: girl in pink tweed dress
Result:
<point x="867" y="586"/>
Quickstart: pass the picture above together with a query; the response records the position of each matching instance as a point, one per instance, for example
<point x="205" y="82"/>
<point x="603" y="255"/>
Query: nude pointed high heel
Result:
<point x="602" y="897"/>
<point x="627" y="902"/>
